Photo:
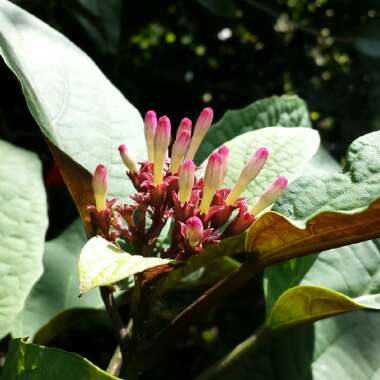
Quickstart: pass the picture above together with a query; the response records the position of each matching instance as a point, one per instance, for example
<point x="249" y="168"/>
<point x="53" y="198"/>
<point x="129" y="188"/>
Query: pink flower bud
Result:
<point x="270" y="195"/>
<point x="150" y="124"/>
<point x="212" y="180"/>
<point x="201" y="128"/>
<point x="224" y="152"/>
<point x="128" y="158"/>
<point x="184" y="126"/>
<point x="161" y="144"/>
<point x="193" y="231"/>
<point x="250" y="171"/>
<point x="186" y="180"/>
<point x="178" y="151"/>
<point x="100" y="187"/>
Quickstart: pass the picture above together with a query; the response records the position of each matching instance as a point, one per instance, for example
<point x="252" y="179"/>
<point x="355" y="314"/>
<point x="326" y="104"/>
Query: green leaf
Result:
<point x="56" y="291"/>
<point x="305" y="303"/>
<point x="290" y="149"/>
<point x="323" y="210"/>
<point x="23" y="223"/>
<point x="75" y="105"/>
<point x="32" y="362"/>
<point x="347" y="345"/>
<point x="102" y="263"/>
<point x="276" y="111"/>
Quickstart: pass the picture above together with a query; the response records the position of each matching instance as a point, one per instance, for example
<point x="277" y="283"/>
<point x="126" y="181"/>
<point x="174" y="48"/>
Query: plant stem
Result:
<point x="225" y="365"/>
<point x="155" y="351"/>
<point x="115" y="363"/>
<point x="121" y="332"/>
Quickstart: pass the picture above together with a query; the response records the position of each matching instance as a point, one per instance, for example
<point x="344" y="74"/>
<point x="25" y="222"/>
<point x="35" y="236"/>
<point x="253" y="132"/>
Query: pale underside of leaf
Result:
<point x="290" y="149"/>
<point x="75" y="105"/>
<point x="23" y="223"/>
<point x="102" y="263"/>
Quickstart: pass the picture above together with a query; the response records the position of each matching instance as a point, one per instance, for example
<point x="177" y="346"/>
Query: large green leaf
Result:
<point x="23" y="223"/>
<point x="102" y="263"/>
<point x="346" y="346"/>
<point x="74" y="104"/>
<point x="56" y="291"/>
<point x="308" y="303"/>
<point x="276" y="111"/>
<point x="323" y="210"/>
<point x="290" y="149"/>
<point x="32" y="362"/>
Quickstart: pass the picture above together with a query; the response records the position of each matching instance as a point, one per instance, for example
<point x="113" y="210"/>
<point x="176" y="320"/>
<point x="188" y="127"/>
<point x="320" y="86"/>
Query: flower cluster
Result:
<point x="201" y="211"/>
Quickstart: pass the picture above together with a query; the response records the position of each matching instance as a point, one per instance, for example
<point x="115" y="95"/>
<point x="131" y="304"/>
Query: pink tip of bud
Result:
<point x="163" y="128"/>
<point x="184" y="126"/>
<point x="281" y="182"/>
<point x="262" y="153"/>
<point x="207" y="113"/>
<point x="215" y="159"/>
<point x="101" y="172"/>
<point x="123" y="148"/>
<point x="201" y="127"/>
<point x="150" y="118"/>
<point x="224" y="151"/>
<point x="100" y="187"/>
<point x="150" y="124"/>
<point x="193" y="231"/>
<point x="188" y="165"/>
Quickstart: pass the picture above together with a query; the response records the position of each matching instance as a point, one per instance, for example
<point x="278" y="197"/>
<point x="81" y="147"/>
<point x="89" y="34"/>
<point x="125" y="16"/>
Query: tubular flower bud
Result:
<point x="201" y="127"/>
<point x="270" y="195"/>
<point x="150" y="124"/>
<point x="250" y="171"/>
<point x="161" y="144"/>
<point x="212" y="180"/>
<point x="128" y="159"/>
<point x="100" y="187"/>
<point x="193" y="231"/>
<point x="186" y="180"/>
<point x="224" y="152"/>
<point x="178" y="151"/>
<point x="184" y="126"/>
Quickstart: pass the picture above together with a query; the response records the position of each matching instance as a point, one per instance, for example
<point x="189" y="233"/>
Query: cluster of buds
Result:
<point x="201" y="210"/>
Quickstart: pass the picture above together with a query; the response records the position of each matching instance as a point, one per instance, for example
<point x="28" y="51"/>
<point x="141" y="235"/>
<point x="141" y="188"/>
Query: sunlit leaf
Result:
<point x="33" y="362"/>
<point x="102" y="263"/>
